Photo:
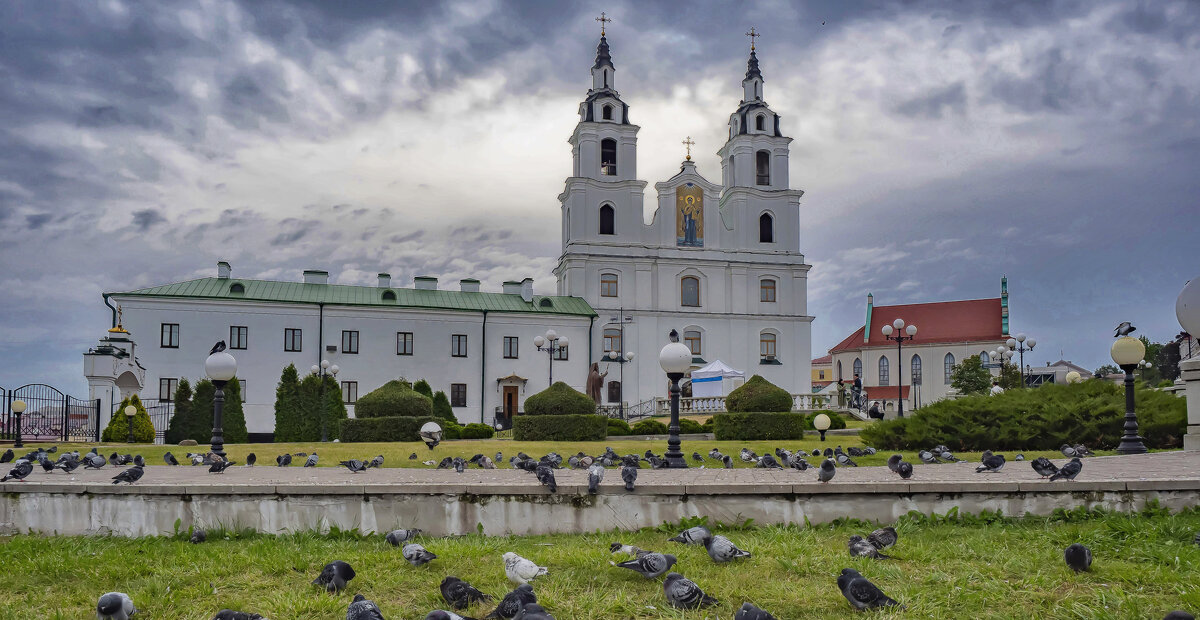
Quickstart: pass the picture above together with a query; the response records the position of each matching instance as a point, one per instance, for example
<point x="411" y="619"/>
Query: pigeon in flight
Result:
<point x="750" y="612"/>
<point x="312" y="460"/>
<point x="1124" y="329"/>
<point x="115" y="606"/>
<point x="1078" y="557"/>
<point x="905" y="469"/>
<point x="595" y="477"/>
<point x="883" y="537"/>
<point x="363" y="609"/>
<point x="199" y="535"/>
<point x="692" y="536"/>
<point x="459" y="594"/>
<point x="993" y="463"/>
<point x="861" y="593"/>
<point x="251" y="459"/>
<point x="828" y="470"/>
<point x="229" y="614"/>
<point x="650" y="565"/>
<point x="354" y="465"/>
<point x="520" y="570"/>
<point x="283" y="460"/>
<point x="417" y="555"/>
<point x="21" y="470"/>
<point x="334" y="576"/>
<point x="129" y="476"/>
<point x="861" y="548"/>
<point x="513" y="603"/>
<point x="396" y="537"/>
<point x="1068" y="471"/>
<point x="170" y="459"/>
<point x="721" y="549"/>
<point x="682" y="593"/>
<point x="1043" y="467"/>
<point x="629" y="474"/>
<point x="217" y="348"/>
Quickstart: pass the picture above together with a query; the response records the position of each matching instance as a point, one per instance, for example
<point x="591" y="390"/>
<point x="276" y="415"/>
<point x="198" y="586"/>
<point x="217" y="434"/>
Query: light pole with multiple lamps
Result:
<point x="221" y="368"/>
<point x="620" y="360"/>
<point x="553" y="344"/>
<point x="675" y="359"/>
<point x="18" y="408"/>
<point x="1144" y="366"/>
<point x="1127" y="351"/>
<point x="898" y="327"/>
<point x="1018" y="344"/>
<point x="131" y="411"/>
<point x="325" y="369"/>
<point x="1002" y="353"/>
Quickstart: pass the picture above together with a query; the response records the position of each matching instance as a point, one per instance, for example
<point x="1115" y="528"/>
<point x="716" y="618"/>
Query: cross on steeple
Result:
<point x="753" y="34"/>
<point x="689" y="143"/>
<point x="603" y="19"/>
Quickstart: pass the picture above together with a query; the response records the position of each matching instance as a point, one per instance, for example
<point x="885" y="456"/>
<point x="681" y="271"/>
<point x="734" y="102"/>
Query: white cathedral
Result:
<point x="719" y="263"/>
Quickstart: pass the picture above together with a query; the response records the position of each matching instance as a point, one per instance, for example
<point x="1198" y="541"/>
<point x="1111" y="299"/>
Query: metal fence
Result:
<point x="50" y="415"/>
<point x="160" y="411"/>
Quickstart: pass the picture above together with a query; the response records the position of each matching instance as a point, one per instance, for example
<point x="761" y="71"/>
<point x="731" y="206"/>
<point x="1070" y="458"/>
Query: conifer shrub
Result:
<point x="117" y="430"/>
<point x="181" y="415"/>
<point x="288" y="405"/>
<point x="442" y="408"/>
<point x="758" y="395"/>
<point x="559" y="399"/>
<point x="422" y="387"/>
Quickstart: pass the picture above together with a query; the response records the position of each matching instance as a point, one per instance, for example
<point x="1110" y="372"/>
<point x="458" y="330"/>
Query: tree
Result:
<point x="199" y="424"/>
<point x="233" y="419"/>
<point x="1168" y="361"/>
<point x="441" y="407"/>
<point x="311" y="408"/>
<point x="970" y="377"/>
<point x="182" y="413"/>
<point x="117" y="430"/>
<point x="287" y="405"/>
<point x="1010" y="377"/>
<point x="1107" y="369"/>
<point x="422" y="387"/>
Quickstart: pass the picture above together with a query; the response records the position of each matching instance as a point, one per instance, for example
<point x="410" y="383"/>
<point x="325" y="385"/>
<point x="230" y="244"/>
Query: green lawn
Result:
<point x="1145" y="565"/>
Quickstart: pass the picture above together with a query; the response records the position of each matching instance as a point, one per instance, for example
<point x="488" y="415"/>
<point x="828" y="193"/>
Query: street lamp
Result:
<point x="552" y="344"/>
<point x="1127" y="352"/>
<point x="220" y="367"/>
<point x="900" y="330"/>
<point x="130" y="411"/>
<point x="621" y="360"/>
<point x="1144" y="365"/>
<point x="821" y="423"/>
<point x="1019" y="344"/>
<point x="1074" y="377"/>
<point x="18" y="407"/>
<point x="675" y="359"/>
<point x="324" y="370"/>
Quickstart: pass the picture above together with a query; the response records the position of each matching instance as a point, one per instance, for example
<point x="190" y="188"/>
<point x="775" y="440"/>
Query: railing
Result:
<point x="49" y="415"/>
<point x="690" y="405"/>
<point x="160" y="411"/>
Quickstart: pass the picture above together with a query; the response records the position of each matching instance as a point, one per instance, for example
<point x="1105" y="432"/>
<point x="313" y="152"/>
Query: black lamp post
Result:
<point x="898" y="327"/>
<point x="130" y="411"/>
<point x="552" y="344"/>
<point x="1127" y="351"/>
<point x="675" y="359"/>
<point x="324" y="370"/>
<point x="221" y="368"/>
<point x="621" y="357"/>
<point x="18" y="408"/>
<point x="1019" y="344"/>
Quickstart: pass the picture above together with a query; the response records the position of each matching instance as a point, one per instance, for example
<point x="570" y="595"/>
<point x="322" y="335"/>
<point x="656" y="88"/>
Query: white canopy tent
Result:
<point x="715" y="379"/>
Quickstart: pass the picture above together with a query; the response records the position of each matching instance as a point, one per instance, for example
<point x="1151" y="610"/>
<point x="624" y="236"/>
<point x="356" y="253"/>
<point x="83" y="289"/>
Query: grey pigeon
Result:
<point x="170" y="459"/>
<point x="828" y="470"/>
<point x="682" y="593"/>
<point x="1020" y="457"/>
<point x="312" y="462"/>
<point x="727" y="461"/>
<point x="283" y="460"/>
<point x="927" y="457"/>
<point x="905" y="469"/>
<point x="1078" y="557"/>
<point x="334" y="576"/>
<point x="92" y="460"/>
<point x="417" y="555"/>
<point x="129" y="476"/>
<point x="860" y="548"/>
<point x="520" y="570"/>
<point x="692" y="536"/>
<point x="767" y="461"/>
<point x="229" y="614"/>
<point x="747" y="455"/>
<point x="533" y="611"/>
<point x="993" y="463"/>
<point x="883" y="537"/>
<point x="629" y="474"/>
<point x="354" y="465"/>
<point x="413" y="456"/>
<point x="460" y="594"/>
<point x="363" y="609"/>
<point x="446" y="463"/>
<point x="114" y="459"/>
<point x="376" y="462"/>
<point x="459" y="464"/>
<point x="251" y="459"/>
<point x="514" y="602"/>
<point x="1043" y="467"/>
<point x="1081" y="450"/>
<point x="7" y="457"/>
<point x="1179" y="614"/>
<point x="715" y="454"/>
<point x="750" y="612"/>
<point x="217" y="348"/>
<point x="115" y="606"/>
<point x="219" y="467"/>
<point x="1124" y="329"/>
<point x="650" y="565"/>
<point x="442" y="614"/>
<point x="68" y="465"/>
<point x="627" y="550"/>
<point x="397" y="537"/>
<point x="797" y="462"/>
<point x="696" y="457"/>
<point x="545" y="475"/>
<point x="198" y="536"/>
<point x="1067" y="450"/>
<point x="1068" y="471"/>
<point x="595" y="477"/>
<point x="138" y="460"/>
<point x="844" y="460"/>
<point x="721" y="549"/>
<point x="861" y="593"/>
<point x="499" y="457"/>
<point x="893" y="461"/>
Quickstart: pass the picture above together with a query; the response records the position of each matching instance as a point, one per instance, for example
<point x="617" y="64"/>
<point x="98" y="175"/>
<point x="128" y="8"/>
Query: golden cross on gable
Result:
<point x="603" y="19"/>
<point x="753" y="34"/>
<point x="689" y="143"/>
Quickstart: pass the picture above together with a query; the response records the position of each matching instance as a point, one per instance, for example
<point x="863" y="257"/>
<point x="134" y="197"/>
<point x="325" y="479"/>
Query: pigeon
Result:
<point x="947" y="455"/>
<point x="229" y="614"/>
<point x="486" y="463"/>
<point x="860" y="548"/>
<point x="198" y="536"/>
<point x="816" y="452"/>
<point x="283" y="460"/>
<point x="545" y="475"/>
<point x="798" y="463"/>
<point x="446" y="463"/>
<point x="200" y="459"/>
<point x="91" y="460"/>
<point x="396" y="537"/>
<point x="828" y="452"/>
<point x="1197" y="540"/>
<point x="682" y="593"/>
<point x="715" y="454"/>
<point x="993" y="463"/>
<point x="514" y="603"/>
<point x="1124" y="329"/>
<point x="629" y="474"/>
<point x="1020" y="457"/>
<point x="442" y="614"/>
<point x="750" y="612"/>
<point x="905" y="469"/>
<point x="861" y="593"/>
<point x="1179" y="614"/>
<point x="312" y="460"/>
<point x="334" y="576"/>
<point x="129" y="476"/>
<point x="627" y="550"/>
<point x="893" y="461"/>
<point x="115" y="606"/>
<point x="828" y="470"/>
<point x="595" y="477"/>
<point x="114" y="459"/>
<point x="47" y="465"/>
<point x="499" y="456"/>
<point x="727" y="461"/>
<point x="1067" y="450"/>
<point x="519" y="570"/>
<point x="170" y="459"/>
<point x="692" y="536"/>
<point x="459" y="594"/>
<point x="354" y="465"/>
<point x="413" y="456"/>
<point x="650" y="565"/>
<point x="1043" y="467"/>
<point x="748" y="456"/>
<point x="1078" y="557"/>
<point x="1081" y="450"/>
<point x="251" y="459"/>
<point x="219" y="467"/>
<point x="68" y="465"/>
<point x="721" y="549"/>
<point x="21" y="470"/>
<point x="845" y="461"/>
<point x="767" y="461"/>
<point x="927" y="457"/>
<point x="7" y="456"/>
<point x="696" y="457"/>
<point x="363" y="609"/>
<point x="1068" y="471"/>
<point x="417" y="555"/>
<point x="217" y="348"/>
<point x="883" y="537"/>
<point x="138" y="460"/>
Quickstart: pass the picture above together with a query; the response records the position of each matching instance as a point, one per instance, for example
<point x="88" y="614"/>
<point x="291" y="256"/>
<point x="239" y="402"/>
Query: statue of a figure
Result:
<point x="595" y="381"/>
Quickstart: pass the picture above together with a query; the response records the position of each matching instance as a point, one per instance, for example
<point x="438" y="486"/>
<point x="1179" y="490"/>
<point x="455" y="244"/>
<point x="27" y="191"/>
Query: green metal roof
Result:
<point x="344" y="295"/>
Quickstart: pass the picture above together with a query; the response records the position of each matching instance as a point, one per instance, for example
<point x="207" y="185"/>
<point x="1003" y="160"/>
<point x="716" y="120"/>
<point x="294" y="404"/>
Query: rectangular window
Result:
<point x="766" y="346"/>
<point x="170" y="336"/>
<point x="458" y="345"/>
<point x="692" y="340"/>
<point x="458" y="394"/>
<point x="822" y="375"/>
<point x="242" y="387"/>
<point x="350" y="342"/>
<point x="608" y="285"/>
<point x="404" y="343"/>
<point x="292" y="339"/>
<point x="766" y="290"/>
<point x="560" y="354"/>
<point x="510" y="347"/>
<point x="612" y="341"/>
<point x="349" y="392"/>
<point x="166" y="388"/>
<point x="239" y="336"/>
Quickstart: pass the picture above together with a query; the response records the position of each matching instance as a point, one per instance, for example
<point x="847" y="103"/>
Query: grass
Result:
<point x="977" y="567"/>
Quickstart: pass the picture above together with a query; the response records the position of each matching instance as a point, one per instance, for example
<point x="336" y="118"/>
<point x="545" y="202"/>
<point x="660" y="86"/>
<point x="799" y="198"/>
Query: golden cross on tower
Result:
<point x="689" y="143"/>
<point x="603" y="19"/>
<point x="753" y="34"/>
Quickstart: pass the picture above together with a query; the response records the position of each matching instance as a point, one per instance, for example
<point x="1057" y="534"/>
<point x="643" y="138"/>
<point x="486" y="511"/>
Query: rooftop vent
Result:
<point x="512" y="288"/>
<point x="425" y="283"/>
<point x="468" y="285"/>
<point x="316" y="276"/>
<point x="385" y="280"/>
<point x="223" y="270"/>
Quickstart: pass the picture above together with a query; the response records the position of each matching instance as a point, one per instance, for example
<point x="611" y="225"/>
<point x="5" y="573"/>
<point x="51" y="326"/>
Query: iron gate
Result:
<point x="160" y="411"/>
<point x="50" y="415"/>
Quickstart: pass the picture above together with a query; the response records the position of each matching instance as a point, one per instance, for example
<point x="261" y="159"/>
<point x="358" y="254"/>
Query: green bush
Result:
<point x="588" y="427"/>
<point x="618" y="428"/>
<point x="288" y="406"/>
<point x="393" y="399"/>
<point x="312" y="408"/>
<point x="690" y="426"/>
<point x="117" y="430"/>
<point x="836" y="421"/>
<point x="758" y="395"/>
<point x="475" y="430"/>
<point x="451" y="430"/>
<point x="759" y="425"/>
<point x="442" y="408"/>
<point x="707" y="427"/>
<point x="1044" y="418"/>
<point x="422" y="387"/>
<point x="648" y="427"/>
<point x="399" y="428"/>
<point x="196" y="420"/>
<point x="559" y="399"/>
<point x="182" y="413"/>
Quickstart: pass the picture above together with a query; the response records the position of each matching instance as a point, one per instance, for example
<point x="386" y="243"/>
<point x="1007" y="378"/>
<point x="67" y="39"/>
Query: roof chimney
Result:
<point x="425" y="283"/>
<point x="527" y="289"/>
<point x="223" y="270"/>
<point x="385" y="280"/>
<point x="316" y="276"/>
<point x="468" y="285"/>
<point x="512" y="288"/>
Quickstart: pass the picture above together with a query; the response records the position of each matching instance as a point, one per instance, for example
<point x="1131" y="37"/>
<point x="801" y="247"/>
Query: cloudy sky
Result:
<point x="940" y="145"/>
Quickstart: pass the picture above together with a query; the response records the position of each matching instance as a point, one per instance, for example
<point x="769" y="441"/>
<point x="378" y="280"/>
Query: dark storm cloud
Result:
<point x="952" y="99"/>
<point x="146" y="218"/>
<point x="37" y="220"/>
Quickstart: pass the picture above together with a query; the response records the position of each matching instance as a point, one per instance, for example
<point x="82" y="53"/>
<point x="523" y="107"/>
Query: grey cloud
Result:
<point x="146" y="218"/>
<point x="257" y="94"/>
<point x="37" y="220"/>
<point x="952" y="98"/>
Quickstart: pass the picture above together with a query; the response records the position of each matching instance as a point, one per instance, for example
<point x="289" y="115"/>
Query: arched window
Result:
<point x="766" y="228"/>
<point x="766" y="290"/>
<point x="608" y="220"/>
<point x="608" y="285"/>
<point x="237" y="288"/>
<point x="858" y="367"/>
<point x="885" y="374"/>
<point x="948" y="367"/>
<point x="839" y="370"/>
<point x="606" y="112"/>
<point x="762" y="167"/>
<point x="689" y="291"/>
<point x="692" y="339"/>
<point x="766" y="346"/>
<point x="612" y="340"/>
<point x="608" y="157"/>
<point x="760" y="122"/>
<point x="984" y="357"/>
<point x="916" y="370"/>
<point x="389" y="295"/>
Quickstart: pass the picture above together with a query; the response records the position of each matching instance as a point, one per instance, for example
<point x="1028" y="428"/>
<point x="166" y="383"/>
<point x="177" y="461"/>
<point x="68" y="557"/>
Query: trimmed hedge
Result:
<point x="690" y="426"/>
<point x="758" y="395"/>
<point x="589" y="427"/>
<point x="475" y="430"/>
<point x="759" y="425"/>
<point x="836" y="421"/>
<point x="393" y="399"/>
<point x="707" y="427"/>
<point x="648" y="427"/>
<point x="559" y="399"/>
<point x="396" y="428"/>
<point x="117" y="430"/>
<point x="618" y="428"/>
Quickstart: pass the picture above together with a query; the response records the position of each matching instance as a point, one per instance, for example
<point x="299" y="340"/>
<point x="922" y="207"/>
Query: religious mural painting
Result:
<point x="689" y="216"/>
